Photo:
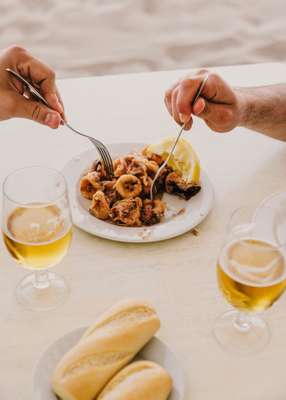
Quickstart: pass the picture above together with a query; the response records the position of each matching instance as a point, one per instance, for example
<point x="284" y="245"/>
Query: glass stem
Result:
<point x="41" y="280"/>
<point x="242" y="322"/>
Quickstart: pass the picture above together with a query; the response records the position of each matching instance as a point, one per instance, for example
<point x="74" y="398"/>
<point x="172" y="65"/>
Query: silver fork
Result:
<point x="101" y="148"/>
<point x="153" y="189"/>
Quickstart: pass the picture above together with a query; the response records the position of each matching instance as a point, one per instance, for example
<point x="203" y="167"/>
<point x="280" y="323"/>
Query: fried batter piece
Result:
<point x="100" y="206"/>
<point x="175" y="184"/>
<point x="89" y="184"/>
<point x="152" y="211"/>
<point x="127" y="212"/>
<point x="110" y="192"/>
<point x="128" y="186"/>
<point x="120" y="167"/>
<point x="136" y="167"/>
<point x="151" y="166"/>
<point x="152" y="156"/>
<point x="146" y="188"/>
<point x="98" y="166"/>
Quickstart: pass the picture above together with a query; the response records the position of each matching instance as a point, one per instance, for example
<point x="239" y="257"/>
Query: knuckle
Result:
<point x="187" y="83"/>
<point x="16" y="49"/>
<point x="214" y="76"/>
<point x="52" y="74"/>
<point x="203" y="71"/>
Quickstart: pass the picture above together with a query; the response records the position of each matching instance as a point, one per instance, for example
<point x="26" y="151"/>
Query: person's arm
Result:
<point x="15" y="102"/>
<point x="264" y="109"/>
<point x="223" y="108"/>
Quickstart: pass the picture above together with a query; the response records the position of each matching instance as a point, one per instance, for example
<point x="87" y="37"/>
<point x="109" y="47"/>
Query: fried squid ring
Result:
<point x="100" y="206"/>
<point x="152" y="211"/>
<point x="120" y="167"/>
<point x="127" y="212"/>
<point x="89" y="184"/>
<point x="128" y="186"/>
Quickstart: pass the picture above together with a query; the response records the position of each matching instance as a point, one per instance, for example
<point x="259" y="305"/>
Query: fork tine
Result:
<point x="99" y="150"/>
<point x="108" y="159"/>
<point x="105" y="159"/>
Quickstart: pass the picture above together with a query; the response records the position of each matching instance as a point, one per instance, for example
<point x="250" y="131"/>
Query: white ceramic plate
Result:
<point x="195" y="210"/>
<point x="156" y="351"/>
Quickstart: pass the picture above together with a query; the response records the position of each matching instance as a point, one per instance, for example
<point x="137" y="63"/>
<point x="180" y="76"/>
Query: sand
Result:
<point x="95" y="37"/>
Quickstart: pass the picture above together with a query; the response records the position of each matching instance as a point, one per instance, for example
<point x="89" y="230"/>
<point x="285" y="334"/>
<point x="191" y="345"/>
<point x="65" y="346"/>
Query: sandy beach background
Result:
<point x="95" y="37"/>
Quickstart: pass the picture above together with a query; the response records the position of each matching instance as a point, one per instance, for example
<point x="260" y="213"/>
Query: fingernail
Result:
<point x="184" y="118"/>
<point x="51" y="120"/>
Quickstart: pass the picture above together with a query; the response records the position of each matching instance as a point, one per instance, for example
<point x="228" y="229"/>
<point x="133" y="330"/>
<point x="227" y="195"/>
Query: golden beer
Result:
<point x="251" y="274"/>
<point x="37" y="236"/>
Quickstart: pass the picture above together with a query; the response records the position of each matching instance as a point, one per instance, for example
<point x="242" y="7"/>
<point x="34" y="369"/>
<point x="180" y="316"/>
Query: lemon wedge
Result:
<point x="184" y="159"/>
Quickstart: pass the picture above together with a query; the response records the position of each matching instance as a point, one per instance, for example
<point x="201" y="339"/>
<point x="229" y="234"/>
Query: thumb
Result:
<point x="25" y="108"/>
<point x="205" y="109"/>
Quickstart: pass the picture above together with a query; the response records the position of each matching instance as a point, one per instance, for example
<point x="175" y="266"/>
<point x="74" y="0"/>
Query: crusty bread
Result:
<point x="141" y="380"/>
<point x="105" y="348"/>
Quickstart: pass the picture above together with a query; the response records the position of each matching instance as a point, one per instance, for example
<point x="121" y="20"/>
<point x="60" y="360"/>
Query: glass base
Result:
<point x="42" y="291"/>
<point x="240" y="333"/>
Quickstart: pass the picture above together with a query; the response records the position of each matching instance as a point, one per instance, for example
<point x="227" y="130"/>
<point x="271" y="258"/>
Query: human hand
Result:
<point x="219" y="105"/>
<point x="15" y="101"/>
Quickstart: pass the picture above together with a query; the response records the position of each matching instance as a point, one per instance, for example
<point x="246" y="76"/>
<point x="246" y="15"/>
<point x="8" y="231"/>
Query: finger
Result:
<point x="175" y="112"/>
<point x="16" y="85"/>
<point x="187" y="93"/>
<point x="44" y="77"/>
<point x="25" y="108"/>
<point x="168" y="102"/>
<point x="63" y="114"/>
<point x="199" y="106"/>
<point x="168" y="97"/>
<point x="189" y="124"/>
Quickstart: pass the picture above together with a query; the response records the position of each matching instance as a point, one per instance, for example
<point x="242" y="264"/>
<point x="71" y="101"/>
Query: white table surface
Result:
<point x="178" y="275"/>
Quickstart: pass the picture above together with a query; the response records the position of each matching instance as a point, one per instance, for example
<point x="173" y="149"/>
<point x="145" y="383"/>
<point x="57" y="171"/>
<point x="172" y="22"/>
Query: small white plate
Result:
<point x="195" y="210"/>
<point x="156" y="351"/>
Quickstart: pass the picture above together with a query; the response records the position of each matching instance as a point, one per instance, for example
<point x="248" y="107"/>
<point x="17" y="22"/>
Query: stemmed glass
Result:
<point x="37" y="230"/>
<point x="251" y="273"/>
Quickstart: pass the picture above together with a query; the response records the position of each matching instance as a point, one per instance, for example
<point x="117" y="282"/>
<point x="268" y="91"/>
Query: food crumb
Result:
<point x="145" y="233"/>
<point x="195" y="232"/>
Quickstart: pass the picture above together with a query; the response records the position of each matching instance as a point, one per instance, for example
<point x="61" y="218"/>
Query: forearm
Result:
<point x="263" y="109"/>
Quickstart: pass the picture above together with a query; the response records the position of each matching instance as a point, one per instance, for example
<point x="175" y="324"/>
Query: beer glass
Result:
<point x="37" y="230"/>
<point x="251" y="275"/>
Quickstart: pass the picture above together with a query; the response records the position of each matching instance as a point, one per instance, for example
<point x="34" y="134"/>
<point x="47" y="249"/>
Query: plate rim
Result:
<point x="136" y="239"/>
<point x="81" y="330"/>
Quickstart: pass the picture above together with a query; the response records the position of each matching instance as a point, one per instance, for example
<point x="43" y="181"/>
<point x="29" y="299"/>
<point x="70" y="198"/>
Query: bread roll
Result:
<point x="141" y="380"/>
<point x="104" y="349"/>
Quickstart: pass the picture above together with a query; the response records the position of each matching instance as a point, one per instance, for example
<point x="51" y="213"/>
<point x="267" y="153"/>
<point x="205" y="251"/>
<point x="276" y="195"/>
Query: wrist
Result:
<point x="244" y="106"/>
